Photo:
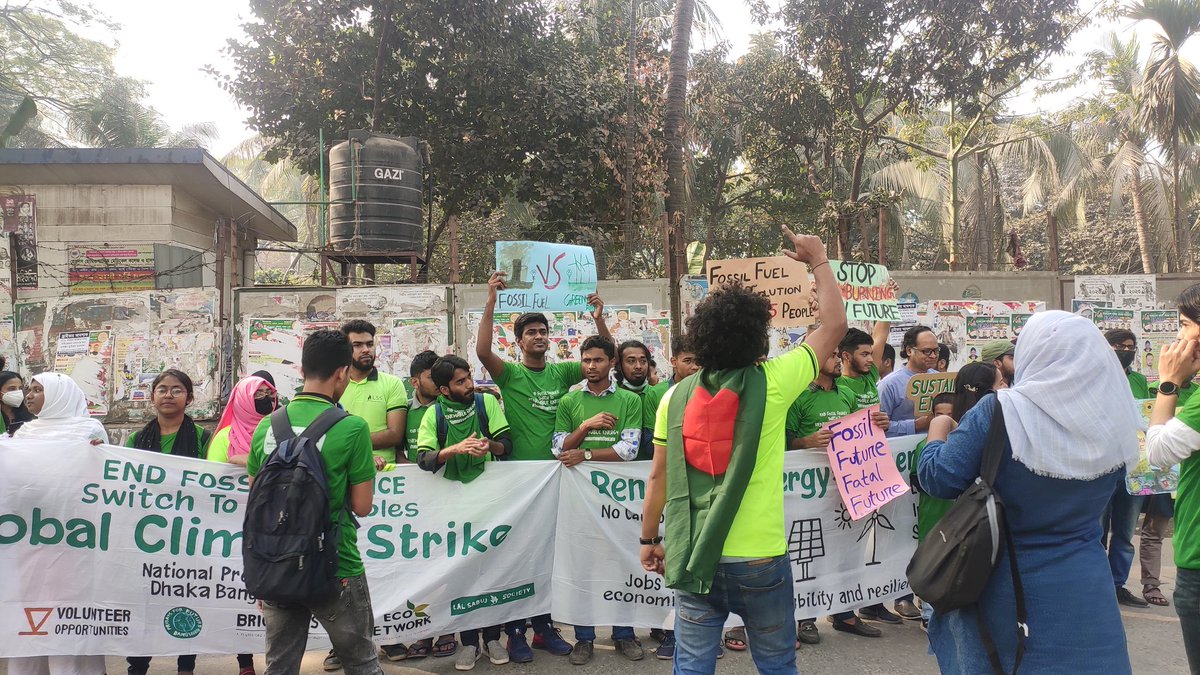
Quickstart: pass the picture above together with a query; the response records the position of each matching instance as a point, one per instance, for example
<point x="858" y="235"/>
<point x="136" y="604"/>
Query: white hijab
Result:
<point x="64" y="414"/>
<point x="1070" y="413"/>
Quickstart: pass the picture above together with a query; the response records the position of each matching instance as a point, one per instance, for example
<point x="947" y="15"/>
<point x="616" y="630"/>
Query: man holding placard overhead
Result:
<point x="719" y="444"/>
<point x="531" y="390"/>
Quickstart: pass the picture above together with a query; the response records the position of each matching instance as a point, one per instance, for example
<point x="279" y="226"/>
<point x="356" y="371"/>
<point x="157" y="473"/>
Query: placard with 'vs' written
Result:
<point x="784" y="281"/>
<point x="862" y="464"/>
<point x="544" y="276"/>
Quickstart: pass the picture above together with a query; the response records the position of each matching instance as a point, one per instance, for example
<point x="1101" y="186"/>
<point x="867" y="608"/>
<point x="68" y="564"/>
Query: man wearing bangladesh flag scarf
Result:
<point x="718" y="456"/>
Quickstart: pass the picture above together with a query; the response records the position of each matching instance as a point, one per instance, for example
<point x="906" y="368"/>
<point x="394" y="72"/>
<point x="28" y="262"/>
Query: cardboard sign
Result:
<point x="783" y="280"/>
<point x="545" y="277"/>
<point x="868" y="290"/>
<point x="862" y="464"/>
<point x="922" y="389"/>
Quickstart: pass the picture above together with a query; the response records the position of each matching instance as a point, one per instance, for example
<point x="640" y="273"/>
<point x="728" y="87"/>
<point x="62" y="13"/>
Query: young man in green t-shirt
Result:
<point x="531" y="389"/>
<point x="599" y="423"/>
<point x="377" y="397"/>
<point x="632" y="371"/>
<point x="461" y="449"/>
<point x="861" y="355"/>
<point x="824" y="401"/>
<point x="350" y="474"/>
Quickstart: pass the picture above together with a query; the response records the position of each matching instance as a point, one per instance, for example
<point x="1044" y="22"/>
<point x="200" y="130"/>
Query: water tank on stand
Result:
<point x="375" y="190"/>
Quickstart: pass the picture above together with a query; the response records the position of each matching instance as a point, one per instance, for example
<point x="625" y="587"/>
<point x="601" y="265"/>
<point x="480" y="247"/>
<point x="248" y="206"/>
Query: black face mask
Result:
<point x="264" y="406"/>
<point x="1126" y="359"/>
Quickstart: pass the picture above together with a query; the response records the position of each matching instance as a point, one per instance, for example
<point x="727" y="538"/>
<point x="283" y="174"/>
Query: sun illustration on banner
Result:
<point x="843" y="519"/>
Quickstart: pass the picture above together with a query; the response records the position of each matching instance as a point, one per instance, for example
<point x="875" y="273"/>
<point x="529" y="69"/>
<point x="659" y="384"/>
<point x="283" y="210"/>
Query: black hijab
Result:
<point x="21" y="414"/>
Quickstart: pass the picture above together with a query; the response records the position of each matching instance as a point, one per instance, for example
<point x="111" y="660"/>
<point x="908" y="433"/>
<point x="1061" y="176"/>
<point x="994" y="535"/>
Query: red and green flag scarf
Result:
<point x="714" y="422"/>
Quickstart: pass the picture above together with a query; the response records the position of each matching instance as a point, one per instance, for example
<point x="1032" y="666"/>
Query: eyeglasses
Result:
<point x="173" y="392"/>
<point x="1124" y="348"/>
<point x="927" y="352"/>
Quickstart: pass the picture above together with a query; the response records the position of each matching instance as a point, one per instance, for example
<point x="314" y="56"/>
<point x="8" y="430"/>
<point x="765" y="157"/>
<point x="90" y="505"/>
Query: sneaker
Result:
<point x="1126" y="598"/>
<point x="332" y="662"/>
<point x="553" y="642"/>
<point x="582" y="652"/>
<point x="395" y="652"/>
<point x="658" y="634"/>
<point x="807" y="632"/>
<point x="907" y="610"/>
<point x="518" y="649"/>
<point x="630" y="649"/>
<point x="666" y="650"/>
<point x="856" y="626"/>
<point x="467" y="657"/>
<point x="878" y="613"/>
<point x="496" y="652"/>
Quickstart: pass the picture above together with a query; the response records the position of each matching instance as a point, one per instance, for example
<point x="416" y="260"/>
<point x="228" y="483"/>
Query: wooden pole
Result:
<point x="452" y="222"/>
<point x="883" y="221"/>
<point x="1052" y="237"/>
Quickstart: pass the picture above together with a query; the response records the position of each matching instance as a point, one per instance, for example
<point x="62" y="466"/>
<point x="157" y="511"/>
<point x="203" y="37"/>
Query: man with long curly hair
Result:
<point x="719" y="443"/>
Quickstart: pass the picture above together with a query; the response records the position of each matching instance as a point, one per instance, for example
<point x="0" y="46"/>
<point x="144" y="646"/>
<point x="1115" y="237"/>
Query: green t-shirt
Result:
<point x="758" y="527"/>
<point x="1185" y="393"/>
<point x="346" y="451"/>
<point x="531" y="400"/>
<point x="651" y="397"/>
<point x="167" y="441"/>
<point x="461" y="423"/>
<point x="218" y="447"/>
<point x="581" y="405"/>
<point x="372" y="399"/>
<point x="817" y="407"/>
<point x="1187" y="503"/>
<point x="865" y="388"/>
<point x="1138" y="385"/>
<point x="416" y="413"/>
<point x="930" y="509"/>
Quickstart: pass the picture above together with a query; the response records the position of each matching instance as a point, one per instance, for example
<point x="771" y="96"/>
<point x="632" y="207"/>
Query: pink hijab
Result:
<point x="241" y="416"/>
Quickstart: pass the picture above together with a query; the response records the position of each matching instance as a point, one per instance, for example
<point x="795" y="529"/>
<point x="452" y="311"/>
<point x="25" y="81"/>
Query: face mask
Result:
<point x="264" y="406"/>
<point x="1126" y="359"/>
<point x="13" y="399"/>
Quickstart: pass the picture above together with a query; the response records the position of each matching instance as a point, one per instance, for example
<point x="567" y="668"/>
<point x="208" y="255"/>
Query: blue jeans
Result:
<point x="1187" y="606"/>
<point x="1120" y="519"/>
<point x="589" y="633"/>
<point x="761" y="593"/>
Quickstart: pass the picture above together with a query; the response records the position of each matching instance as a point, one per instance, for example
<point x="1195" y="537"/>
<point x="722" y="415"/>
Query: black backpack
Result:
<point x="289" y="541"/>
<point x="480" y="414"/>
<point x="952" y="566"/>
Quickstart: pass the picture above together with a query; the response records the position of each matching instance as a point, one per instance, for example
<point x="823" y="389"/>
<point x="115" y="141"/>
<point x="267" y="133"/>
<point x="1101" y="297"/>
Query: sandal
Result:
<point x="420" y="649"/>
<point x="735" y="640"/>
<point x="446" y="645"/>
<point x="1154" y="596"/>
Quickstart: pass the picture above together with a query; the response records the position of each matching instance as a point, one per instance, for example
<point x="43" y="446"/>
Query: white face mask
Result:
<point x="13" y="399"/>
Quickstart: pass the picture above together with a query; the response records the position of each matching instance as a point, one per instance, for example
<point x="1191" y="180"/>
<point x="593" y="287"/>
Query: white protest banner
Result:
<point x="868" y="290"/>
<point x="862" y="464"/>
<point x="783" y="280"/>
<point x="838" y="564"/>
<point x="110" y="550"/>
<point x="543" y="276"/>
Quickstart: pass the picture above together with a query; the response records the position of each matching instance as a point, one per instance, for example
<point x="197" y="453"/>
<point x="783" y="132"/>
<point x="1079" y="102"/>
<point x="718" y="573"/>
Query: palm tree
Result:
<point x="676" y="199"/>
<point x="1169" y="95"/>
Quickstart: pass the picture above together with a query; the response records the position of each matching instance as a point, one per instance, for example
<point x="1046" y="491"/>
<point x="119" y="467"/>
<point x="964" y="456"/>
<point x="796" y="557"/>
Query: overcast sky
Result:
<point x="168" y="43"/>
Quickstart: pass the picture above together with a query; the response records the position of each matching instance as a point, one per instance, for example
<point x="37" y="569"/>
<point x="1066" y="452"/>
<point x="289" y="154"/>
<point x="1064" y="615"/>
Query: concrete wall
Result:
<point x="983" y="286"/>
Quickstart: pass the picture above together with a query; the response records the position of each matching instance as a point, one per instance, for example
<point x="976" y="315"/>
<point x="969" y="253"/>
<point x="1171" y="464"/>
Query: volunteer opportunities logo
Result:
<point x="182" y="622"/>
<point x="37" y="617"/>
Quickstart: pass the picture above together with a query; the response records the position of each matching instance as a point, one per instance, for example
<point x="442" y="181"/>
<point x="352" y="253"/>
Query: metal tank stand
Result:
<point x="344" y="260"/>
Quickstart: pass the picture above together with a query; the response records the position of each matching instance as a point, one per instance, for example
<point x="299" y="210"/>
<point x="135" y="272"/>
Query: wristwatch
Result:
<point x="650" y="542"/>
<point x="587" y="455"/>
<point x="1168" y="388"/>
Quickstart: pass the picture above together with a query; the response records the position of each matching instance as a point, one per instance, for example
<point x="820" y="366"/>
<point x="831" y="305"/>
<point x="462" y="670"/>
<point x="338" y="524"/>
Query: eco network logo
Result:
<point x="182" y="622"/>
<point x="412" y="617"/>
<point x="36" y="617"/>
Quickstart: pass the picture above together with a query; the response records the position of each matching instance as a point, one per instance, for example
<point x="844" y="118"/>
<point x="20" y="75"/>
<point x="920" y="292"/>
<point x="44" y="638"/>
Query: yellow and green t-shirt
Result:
<point x="758" y="529"/>
<point x="218" y="447"/>
<point x="864" y="387"/>
<point x="372" y="398"/>
<point x="531" y="402"/>
<point x="346" y="451"/>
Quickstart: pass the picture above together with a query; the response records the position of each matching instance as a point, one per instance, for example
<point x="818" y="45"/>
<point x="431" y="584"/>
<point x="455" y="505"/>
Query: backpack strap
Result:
<point x="442" y="427"/>
<point x="993" y="452"/>
<point x="485" y="425"/>
<point x="323" y="423"/>
<point x="281" y="426"/>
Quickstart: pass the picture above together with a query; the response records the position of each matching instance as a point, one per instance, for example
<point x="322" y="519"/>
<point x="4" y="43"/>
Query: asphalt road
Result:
<point x="1153" y="633"/>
